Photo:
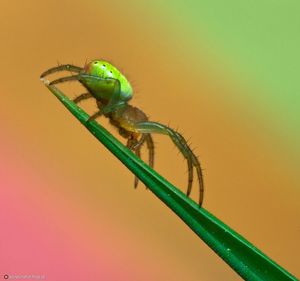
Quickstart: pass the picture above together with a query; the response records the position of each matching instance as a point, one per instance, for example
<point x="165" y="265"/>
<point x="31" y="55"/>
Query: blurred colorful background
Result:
<point x="225" y="73"/>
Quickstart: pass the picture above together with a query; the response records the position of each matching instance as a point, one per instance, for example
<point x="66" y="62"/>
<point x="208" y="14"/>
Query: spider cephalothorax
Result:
<point x="112" y="91"/>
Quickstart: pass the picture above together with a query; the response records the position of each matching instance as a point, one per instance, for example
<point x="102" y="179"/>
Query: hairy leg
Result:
<point x="65" y="79"/>
<point x="136" y="179"/>
<point x="64" y="67"/>
<point x="95" y="115"/>
<point x="180" y="142"/>
<point x="88" y="80"/>
<point x="150" y="146"/>
<point x="111" y="83"/>
<point x="135" y="145"/>
<point x="82" y="97"/>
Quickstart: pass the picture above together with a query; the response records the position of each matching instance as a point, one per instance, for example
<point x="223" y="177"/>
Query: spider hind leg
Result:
<point x="182" y="145"/>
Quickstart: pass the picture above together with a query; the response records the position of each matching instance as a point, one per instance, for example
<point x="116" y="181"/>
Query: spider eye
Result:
<point x="103" y="65"/>
<point x="95" y="62"/>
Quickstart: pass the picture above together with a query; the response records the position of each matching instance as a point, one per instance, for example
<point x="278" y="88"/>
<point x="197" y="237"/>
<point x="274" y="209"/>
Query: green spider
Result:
<point x="112" y="92"/>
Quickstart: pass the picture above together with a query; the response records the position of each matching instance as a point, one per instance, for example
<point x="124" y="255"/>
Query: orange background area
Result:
<point x="86" y="193"/>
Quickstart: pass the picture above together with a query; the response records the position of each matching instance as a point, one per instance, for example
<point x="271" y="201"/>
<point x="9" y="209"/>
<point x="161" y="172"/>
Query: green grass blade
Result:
<point x="249" y="262"/>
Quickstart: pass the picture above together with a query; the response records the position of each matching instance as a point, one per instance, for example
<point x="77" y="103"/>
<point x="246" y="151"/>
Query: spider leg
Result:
<point x="95" y="115"/>
<point x="135" y="145"/>
<point x="67" y="67"/>
<point x="180" y="142"/>
<point x="186" y="152"/>
<point x="136" y="179"/>
<point x="110" y="84"/>
<point x="150" y="146"/>
<point x="105" y="84"/>
<point x="138" y="143"/>
<point x="82" y="97"/>
<point x="65" y="79"/>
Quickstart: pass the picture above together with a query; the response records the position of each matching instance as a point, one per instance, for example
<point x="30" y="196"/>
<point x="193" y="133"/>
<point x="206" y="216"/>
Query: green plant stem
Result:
<point x="249" y="262"/>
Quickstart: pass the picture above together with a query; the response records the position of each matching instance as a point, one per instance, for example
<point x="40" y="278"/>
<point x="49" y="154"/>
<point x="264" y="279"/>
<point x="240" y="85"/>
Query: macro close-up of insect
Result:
<point x="150" y="140"/>
<point x="112" y="92"/>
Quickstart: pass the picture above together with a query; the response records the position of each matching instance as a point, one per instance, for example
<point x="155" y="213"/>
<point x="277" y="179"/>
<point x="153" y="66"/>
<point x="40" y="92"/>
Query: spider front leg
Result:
<point x="102" y="89"/>
<point x="64" y="67"/>
<point x="180" y="142"/>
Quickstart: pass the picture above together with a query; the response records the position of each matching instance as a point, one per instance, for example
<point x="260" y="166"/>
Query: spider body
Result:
<point x="113" y="78"/>
<point x="112" y="92"/>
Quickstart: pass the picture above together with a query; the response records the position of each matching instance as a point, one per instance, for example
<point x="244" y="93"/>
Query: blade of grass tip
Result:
<point x="249" y="262"/>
